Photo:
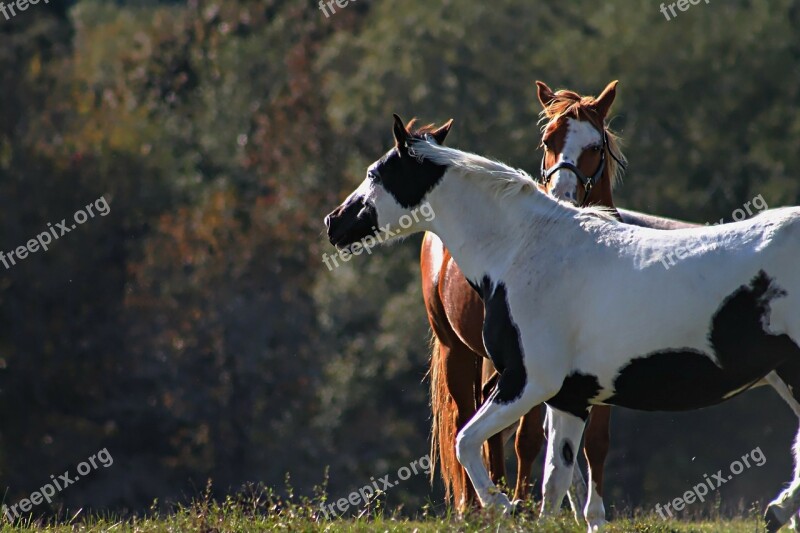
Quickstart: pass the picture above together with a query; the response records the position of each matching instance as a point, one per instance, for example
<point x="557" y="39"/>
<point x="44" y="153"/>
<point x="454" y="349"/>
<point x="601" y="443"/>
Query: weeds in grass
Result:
<point x="259" y="508"/>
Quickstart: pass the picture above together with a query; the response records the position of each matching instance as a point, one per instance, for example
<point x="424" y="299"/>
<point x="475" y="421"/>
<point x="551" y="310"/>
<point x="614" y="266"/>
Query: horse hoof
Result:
<point x="517" y="508"/>
<point x="500" y="501"/>
<point x="773" y="522"/>
<point x="598" y="525"/>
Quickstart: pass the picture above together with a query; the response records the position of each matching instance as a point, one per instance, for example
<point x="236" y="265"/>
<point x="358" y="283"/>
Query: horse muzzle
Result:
<point x="350" y="223"/>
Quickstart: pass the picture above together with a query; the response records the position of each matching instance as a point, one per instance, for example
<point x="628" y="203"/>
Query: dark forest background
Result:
<point x="195" y="332"/>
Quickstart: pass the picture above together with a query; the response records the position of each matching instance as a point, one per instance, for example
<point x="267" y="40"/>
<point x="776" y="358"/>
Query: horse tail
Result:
<point x="447" y="418"/>
<point x="441" y="430"/>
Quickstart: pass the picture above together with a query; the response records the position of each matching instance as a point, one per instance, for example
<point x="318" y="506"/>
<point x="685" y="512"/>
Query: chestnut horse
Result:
<point x="461" y="372"/>
<point x="455" y="312"/>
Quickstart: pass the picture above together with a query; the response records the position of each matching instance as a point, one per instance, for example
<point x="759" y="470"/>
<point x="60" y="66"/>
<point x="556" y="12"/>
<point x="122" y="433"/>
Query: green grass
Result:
<point x="263" y="511"/>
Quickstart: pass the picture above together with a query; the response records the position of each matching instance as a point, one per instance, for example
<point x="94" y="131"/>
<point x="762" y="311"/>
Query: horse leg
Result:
<point x="595" y="447"/>
<point x="576" y="494"/>
<point x="527" y="444"/>
<point x="786" y="381"/>
<point x="491" y="418"/>
<point x="494" y="447"/>
<point x="453" y="375"/>
<point x="564" y="432"/>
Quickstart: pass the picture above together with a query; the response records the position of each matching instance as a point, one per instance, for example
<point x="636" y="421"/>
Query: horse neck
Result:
<point x="602" y="194"/>
<point x="478" y="227"/>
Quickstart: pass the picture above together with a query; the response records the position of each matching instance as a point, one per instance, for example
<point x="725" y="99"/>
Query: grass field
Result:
<point x="263" y="512"/>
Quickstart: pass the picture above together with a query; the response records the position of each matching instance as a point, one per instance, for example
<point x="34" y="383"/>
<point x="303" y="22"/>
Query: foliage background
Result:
<point x="195" y="332"/>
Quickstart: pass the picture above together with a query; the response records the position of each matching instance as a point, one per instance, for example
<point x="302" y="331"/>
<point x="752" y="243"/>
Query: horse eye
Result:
<point x="596" y="148"/>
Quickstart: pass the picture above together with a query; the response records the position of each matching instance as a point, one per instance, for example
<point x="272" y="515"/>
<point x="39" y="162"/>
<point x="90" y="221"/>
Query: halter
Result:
<point x="588" y="182"/>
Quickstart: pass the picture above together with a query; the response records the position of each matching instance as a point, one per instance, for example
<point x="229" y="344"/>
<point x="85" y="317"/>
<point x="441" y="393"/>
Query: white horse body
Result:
<point x="546" y="252"/>
<point x="669" y="308"/>
<point x="610" y="298"/>
<point x="582" y="309"/>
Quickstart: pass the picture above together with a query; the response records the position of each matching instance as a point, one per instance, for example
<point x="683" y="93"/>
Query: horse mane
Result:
<point x="572" y="105"/>
<point x="505" y="180"/>
<point x="508" y="180"/>
<point x="501" y="179"/>
<point x="421" y="131"/>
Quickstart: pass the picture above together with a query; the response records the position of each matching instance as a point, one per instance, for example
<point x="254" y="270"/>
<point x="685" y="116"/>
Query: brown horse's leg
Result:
<point x="493" y="449"/>
<point x="596" y="449"/>
<point x="454" y="369"/>
<point x="530" y="436"/>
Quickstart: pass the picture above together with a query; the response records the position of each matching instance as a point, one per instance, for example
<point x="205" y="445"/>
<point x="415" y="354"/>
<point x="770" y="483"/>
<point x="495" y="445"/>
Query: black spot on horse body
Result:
<point x="407" y="178"/>
<point x="567" y="454"/>
<point x="686" y="378"/>
<point x="575" y="393"/>
<point x="502" y="341"/>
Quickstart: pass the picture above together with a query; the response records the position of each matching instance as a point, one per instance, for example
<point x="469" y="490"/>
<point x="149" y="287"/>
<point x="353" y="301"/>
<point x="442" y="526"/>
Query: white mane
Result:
<point x="501" y="179"/>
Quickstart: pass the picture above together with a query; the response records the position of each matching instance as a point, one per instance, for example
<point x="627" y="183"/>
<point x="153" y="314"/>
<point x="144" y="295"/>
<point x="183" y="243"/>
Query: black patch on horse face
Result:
<point x="405" y="177"/>
<point x="502" y="341"/>
<point x="575" y="393"/>
<point x="351" y="222"/>
<point x="567" y="454"/>
<point x="680" y="379"/>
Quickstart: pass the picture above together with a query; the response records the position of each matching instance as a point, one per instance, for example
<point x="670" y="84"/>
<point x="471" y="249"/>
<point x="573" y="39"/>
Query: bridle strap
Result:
<point x="588" y="182"/>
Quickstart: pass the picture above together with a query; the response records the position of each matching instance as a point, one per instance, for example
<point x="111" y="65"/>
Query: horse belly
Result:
<point x="742" y="349"/>
<point x="685" y="380"/>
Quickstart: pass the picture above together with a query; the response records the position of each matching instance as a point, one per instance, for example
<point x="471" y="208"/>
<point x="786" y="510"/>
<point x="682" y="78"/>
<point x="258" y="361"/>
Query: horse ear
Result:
<point x="545" y="94"/>
<point x="400" y="131"/>
<point x="603" y="103"/>
<point x="441" y="134"/>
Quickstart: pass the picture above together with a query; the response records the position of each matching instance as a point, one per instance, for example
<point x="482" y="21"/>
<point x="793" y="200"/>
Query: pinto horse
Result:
<point x="678" y="339"/>
<point x="455" y="310"/>
<point x="571" y="170"/>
